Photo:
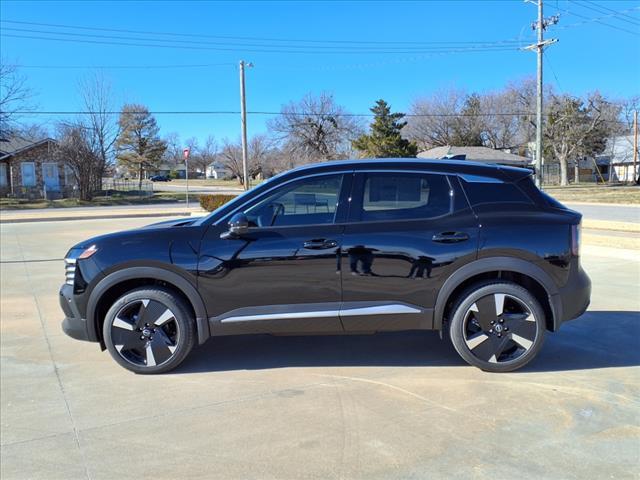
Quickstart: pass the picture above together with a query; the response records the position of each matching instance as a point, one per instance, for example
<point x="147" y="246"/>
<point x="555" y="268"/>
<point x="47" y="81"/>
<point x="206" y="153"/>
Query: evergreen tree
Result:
<point x="385" y="139"/>
<point x="139" y="146"/>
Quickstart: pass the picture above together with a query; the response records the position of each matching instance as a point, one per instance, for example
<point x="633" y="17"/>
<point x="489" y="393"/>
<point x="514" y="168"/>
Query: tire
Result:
<point x="149" y="330"/>
<point x="497" y="326"/>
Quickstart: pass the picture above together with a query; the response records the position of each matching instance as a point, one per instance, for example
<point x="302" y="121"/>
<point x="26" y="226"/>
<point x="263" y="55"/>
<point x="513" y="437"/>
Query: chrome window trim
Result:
<point x="346" y="172"/>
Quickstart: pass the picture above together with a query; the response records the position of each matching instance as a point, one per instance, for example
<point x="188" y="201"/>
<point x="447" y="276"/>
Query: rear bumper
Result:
<point x="73" y="324"/>
<point x="575" y="296"/>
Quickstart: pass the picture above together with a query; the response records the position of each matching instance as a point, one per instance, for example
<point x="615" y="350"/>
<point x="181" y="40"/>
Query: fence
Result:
<point x="551" y="175"/>
<point x="132" y="187"/>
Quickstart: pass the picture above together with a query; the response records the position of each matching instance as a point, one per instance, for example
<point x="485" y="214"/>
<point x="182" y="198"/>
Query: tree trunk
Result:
<point x="576" y="172"/>
<point x="564" y="179"/>
<point x="140" y="177"/>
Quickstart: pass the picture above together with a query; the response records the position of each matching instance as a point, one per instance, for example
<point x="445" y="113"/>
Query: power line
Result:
<point x="235" y="112"/>
<point x="196" y="35"/>
<point x="197" y="46"/>
<point x="274" y="113"/>
<point x="597" y="19"/>
<point x="602" y="9"/>
<point x="114" y="67"/>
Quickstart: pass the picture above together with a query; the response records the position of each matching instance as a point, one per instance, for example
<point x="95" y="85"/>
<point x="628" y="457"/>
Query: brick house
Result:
<point x="29" y="169"/>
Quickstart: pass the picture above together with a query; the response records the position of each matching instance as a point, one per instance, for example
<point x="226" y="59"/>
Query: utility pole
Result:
<point x="635" y="145"/>
<point x="186" y="152"/>
<point x="243" y="121"/>
<point x="540" y="25"/>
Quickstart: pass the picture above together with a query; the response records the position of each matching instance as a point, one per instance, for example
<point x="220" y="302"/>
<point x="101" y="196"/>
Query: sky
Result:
<point x="358" y="51"/>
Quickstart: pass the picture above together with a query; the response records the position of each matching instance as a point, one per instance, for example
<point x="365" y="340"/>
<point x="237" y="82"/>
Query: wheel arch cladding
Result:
<point x="118" y="283"/>
<point x="521" y="272"/>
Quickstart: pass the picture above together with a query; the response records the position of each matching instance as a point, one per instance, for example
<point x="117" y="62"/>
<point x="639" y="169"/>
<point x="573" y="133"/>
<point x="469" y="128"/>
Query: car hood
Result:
<point x="164" y="225"/>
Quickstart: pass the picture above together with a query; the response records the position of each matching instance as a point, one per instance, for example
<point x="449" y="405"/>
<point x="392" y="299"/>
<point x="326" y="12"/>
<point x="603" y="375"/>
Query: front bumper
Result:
<point x="73" y="324"/>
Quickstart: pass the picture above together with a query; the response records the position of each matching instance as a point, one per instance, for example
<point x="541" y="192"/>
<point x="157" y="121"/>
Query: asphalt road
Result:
<point x="614" y="213"/>
<point x="399" y="405"/>
<point x="195" y="188"/>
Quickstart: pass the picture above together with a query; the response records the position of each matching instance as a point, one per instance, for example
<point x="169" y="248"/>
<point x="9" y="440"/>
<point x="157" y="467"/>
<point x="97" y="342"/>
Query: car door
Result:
<point x="406" y="232"/>
<point x="283" y="275"/>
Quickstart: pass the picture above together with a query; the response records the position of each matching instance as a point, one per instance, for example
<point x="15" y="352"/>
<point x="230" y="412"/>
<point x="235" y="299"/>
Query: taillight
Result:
<point x="575" y="239"/>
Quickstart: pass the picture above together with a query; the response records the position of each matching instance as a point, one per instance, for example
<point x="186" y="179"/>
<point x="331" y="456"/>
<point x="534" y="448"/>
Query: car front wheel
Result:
<point x="497" y="326"/>
<point x="149" y="330"/>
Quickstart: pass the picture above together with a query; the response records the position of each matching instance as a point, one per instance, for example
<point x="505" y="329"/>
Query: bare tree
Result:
<point x="208" y="153"/>
<point x="76" y="150"/>
<point x="315" y="128"/>
<point x="260" y="151"/>
<point x="501" y="119"/>
<point x="15" y="95"/>
<point x="575" y="129"/>
<point x="432" y="120"/>
<point x="102" y="127"/>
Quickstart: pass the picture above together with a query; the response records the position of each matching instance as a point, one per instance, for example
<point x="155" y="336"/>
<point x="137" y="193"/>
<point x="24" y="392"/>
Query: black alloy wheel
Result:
<point x="149" y="331"/>
<point x="498" y="327"/>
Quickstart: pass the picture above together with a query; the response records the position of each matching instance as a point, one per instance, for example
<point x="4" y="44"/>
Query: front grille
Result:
<point x="69" y="270"/>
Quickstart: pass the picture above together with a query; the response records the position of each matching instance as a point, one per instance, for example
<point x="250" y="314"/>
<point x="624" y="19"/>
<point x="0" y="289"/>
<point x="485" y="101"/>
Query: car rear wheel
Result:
<point x="497" y="327"/>
<point x="149" y="330"/>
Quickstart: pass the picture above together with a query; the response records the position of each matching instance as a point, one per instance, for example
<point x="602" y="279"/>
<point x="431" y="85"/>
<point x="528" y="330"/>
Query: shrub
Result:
<point x="211" y="202"/>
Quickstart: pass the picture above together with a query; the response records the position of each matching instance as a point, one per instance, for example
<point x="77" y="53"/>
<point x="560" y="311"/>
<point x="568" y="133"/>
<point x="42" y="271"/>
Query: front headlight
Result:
<point x="70" y="261"/>
<point x="88" y="252"/>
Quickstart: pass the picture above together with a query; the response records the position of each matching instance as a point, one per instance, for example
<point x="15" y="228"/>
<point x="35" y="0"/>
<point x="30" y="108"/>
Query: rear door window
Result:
<point x="401" y="196"/>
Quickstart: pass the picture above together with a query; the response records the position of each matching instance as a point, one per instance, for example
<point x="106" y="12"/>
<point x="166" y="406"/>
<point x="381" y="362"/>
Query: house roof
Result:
<point x="477" y="154"/>
<point x="16" y="144"/>
<point x="617" y="150"/>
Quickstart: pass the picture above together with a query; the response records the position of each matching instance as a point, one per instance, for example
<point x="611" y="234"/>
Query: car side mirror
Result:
<point x="238" y="226"/>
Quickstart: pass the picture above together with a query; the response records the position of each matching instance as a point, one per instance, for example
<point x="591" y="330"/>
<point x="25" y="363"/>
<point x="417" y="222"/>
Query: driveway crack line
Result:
<point x="55" y="366"/>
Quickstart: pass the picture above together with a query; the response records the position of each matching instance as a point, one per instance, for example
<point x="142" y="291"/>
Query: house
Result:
<point x="476" y="154"/>
<point x="28" y="168"/>
<point x="616" y="161"/>
<point x="218" y="171"/>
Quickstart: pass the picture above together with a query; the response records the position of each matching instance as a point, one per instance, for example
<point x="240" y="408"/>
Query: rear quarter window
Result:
<point x="482" y="192"/>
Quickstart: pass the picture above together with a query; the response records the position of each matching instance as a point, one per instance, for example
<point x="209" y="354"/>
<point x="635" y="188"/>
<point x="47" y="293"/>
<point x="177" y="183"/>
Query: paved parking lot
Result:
<point x="397" y="405"/>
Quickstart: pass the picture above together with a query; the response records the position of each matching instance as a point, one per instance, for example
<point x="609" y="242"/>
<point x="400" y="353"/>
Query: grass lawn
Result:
<point x="158" y="197"/>
<point x="596" y="194"/>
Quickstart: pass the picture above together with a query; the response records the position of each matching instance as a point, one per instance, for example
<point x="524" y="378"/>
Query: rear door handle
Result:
<point x="450" y="237"/>
<point x="320" y="244"/>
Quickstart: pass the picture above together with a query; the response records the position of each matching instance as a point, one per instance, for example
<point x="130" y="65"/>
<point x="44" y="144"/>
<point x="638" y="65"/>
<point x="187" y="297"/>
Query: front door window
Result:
<point x="28" y="170"/>
<point x="311" y="201"/>
<point x="3" y="175"/>
<point x="50" y="174"/>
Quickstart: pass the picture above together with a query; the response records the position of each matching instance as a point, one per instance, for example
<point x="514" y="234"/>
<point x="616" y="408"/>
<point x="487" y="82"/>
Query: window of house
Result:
<point x="69" y="177"/>
<point x="310" y="201"/>
<point x="403" y="196"/>
<point x="28" y="170"/>
<point x="4" y="181"/>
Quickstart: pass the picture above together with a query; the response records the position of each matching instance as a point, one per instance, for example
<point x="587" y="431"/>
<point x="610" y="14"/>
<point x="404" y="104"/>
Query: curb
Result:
<point x="97" y="217"/>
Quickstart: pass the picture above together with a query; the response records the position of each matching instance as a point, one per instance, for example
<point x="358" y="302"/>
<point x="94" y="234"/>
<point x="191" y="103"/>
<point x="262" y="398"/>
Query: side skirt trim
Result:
<point x="331" y="310"/>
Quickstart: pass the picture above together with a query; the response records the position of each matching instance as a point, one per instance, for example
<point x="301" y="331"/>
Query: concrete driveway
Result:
<point x="389" y="405"/>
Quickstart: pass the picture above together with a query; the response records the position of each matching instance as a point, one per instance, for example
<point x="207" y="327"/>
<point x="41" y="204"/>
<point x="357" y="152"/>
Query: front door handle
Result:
<point x="320" y="244"/>
<point x="450" y="237"/>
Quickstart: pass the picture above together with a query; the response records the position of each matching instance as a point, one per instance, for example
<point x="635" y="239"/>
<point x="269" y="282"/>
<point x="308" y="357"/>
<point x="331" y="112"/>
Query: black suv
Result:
<point x="357" y="246"/>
